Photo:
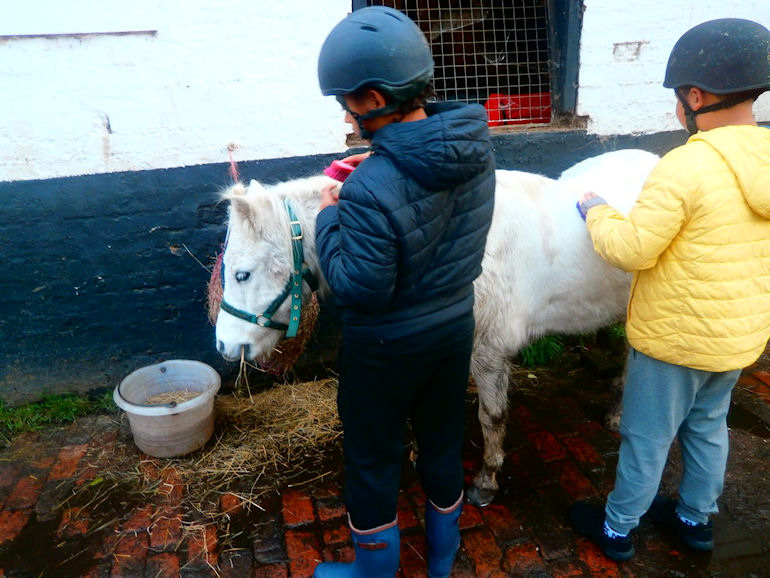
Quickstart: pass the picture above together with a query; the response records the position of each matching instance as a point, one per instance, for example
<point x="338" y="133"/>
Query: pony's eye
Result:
<point x="242" y="276"/>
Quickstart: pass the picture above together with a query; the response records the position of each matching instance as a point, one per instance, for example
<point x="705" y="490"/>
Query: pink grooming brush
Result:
<point x="339" y="170"/>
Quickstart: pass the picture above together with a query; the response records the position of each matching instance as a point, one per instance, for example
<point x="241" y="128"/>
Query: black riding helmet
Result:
<point x="723" y="56"/>
<point x="376" y="47"/>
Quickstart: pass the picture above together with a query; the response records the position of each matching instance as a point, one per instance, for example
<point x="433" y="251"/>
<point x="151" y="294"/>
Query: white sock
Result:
<point x="612" y="533"/>
<point x="687" y="521"/>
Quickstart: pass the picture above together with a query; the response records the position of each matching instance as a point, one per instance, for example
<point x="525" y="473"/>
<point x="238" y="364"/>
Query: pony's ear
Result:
<point x="240" y="207"/>
<point x="255" y="186"/>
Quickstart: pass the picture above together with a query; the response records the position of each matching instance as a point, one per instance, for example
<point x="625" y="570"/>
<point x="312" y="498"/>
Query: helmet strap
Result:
<point x="377" y="112"/>
<point x="690" y="114"/>
<point x="362" y="132"/>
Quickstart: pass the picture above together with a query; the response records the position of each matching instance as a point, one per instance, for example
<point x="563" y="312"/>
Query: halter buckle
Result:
<point x="296" y="230"/>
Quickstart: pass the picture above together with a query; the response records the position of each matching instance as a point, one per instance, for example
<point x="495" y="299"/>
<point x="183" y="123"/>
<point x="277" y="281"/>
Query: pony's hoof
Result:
<point x="612" y="422"/>
<point x="479" y="496"/>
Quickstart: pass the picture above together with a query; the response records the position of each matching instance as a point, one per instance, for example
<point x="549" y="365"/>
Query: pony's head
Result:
<point x="261" y="289"/>
<point x="256" y="264"/>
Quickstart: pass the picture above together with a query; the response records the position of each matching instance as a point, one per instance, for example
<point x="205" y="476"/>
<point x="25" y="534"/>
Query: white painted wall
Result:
<point x="237" y="74"/>
<point x="623" y="55"/>
<point x="189" y="82"/>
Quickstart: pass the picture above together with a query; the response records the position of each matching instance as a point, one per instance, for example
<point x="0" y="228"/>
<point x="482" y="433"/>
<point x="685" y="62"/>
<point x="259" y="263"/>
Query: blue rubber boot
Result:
<point x="442" y="529"/>
<point x="377" y="555"/>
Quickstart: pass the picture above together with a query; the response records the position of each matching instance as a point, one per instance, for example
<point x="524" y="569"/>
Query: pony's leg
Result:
<point x="612" y="418"/>
<point x="491" y="371"/>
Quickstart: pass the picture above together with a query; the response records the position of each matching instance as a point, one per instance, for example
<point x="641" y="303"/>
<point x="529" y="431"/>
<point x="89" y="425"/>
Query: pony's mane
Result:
<point x="304" y="190"/>
<point x="267" y="214"/>
<point x="263" y="207"/>
<point x="301" y="189"/>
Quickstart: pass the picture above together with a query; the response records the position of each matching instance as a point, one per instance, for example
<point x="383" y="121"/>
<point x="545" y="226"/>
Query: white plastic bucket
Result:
<point x="170" y="429"/>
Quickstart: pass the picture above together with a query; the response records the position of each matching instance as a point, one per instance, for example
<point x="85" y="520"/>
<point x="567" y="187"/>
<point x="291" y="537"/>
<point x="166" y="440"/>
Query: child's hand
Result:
<point x="355" y="160"/>
<point x="330" y="195"/>
<point x="587" y="201"/>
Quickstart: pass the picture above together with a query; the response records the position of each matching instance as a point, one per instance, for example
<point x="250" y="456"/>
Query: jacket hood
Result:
<point x="435" y="151"/>
<point x="746" y="149"/>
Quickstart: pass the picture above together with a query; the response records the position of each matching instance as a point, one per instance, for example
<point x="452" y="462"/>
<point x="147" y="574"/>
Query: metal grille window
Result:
<point x="493" y="53"/>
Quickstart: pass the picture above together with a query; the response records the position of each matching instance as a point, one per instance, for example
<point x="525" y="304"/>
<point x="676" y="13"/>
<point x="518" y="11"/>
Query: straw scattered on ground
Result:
<point x="268" y="439"/>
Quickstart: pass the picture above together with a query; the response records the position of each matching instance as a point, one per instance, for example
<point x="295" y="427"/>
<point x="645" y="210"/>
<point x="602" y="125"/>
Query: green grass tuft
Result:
<point x="618" y="331"/>
<point x="542" y="352"/>
<point x="51" y="409"/>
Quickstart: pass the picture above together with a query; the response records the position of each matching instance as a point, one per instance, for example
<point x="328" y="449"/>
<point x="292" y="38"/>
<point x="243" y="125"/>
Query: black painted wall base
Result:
<point x="106" y="273"/>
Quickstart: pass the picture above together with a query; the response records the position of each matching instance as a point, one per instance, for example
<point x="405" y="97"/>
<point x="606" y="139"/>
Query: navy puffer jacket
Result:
<point x="403" y="246"/>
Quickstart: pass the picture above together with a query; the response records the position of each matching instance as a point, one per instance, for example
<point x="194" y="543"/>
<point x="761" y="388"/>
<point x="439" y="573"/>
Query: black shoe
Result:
<point x="698" y="537"/>
<point x="588" y="520"/>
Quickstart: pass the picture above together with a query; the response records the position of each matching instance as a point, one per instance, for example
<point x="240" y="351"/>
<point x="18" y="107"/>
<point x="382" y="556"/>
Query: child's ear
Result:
<point x="696" y="98"/>
<point x="376" y="98"/>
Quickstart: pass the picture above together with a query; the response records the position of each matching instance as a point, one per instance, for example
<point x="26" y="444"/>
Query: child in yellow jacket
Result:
<point x="698" y="244"/>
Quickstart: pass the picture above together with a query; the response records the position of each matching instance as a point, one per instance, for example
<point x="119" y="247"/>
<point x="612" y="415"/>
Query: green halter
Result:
<point x="293" y="287"/>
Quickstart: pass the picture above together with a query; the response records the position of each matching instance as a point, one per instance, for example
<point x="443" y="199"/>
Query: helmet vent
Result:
<point x="368" y="28"/>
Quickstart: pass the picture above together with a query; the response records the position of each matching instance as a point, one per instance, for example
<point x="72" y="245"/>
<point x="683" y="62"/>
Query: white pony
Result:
<point x="540" y="273"/>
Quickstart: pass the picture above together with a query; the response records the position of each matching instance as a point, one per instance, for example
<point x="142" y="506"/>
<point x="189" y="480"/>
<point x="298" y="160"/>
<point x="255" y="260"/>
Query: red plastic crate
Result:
<point x="505" y="109"/>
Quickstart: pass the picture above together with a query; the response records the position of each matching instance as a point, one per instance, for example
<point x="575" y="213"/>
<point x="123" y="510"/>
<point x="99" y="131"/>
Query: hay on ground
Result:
<point x="258" y="444"/>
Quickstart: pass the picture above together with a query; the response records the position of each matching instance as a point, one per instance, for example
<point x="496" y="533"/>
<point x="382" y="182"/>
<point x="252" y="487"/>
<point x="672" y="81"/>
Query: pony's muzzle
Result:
<point x="242" y="351"/>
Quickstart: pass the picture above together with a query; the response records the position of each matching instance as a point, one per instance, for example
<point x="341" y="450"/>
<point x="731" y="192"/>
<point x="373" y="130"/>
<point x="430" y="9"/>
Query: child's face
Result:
<point x="357" y="106"/>
<point x="371" y="100"/>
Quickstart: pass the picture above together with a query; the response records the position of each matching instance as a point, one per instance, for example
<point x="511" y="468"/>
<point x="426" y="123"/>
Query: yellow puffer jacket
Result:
<point x="698" y="243"/>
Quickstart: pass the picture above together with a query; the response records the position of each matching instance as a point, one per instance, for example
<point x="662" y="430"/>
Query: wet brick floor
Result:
<point x="557" y="451"/>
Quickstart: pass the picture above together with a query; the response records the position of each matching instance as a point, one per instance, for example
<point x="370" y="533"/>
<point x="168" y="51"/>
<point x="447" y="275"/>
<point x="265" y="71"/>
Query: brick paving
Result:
<point x="557" y="451"/>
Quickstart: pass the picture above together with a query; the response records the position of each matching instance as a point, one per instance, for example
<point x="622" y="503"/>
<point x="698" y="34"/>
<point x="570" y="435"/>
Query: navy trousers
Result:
<point x="422" y="379"/>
